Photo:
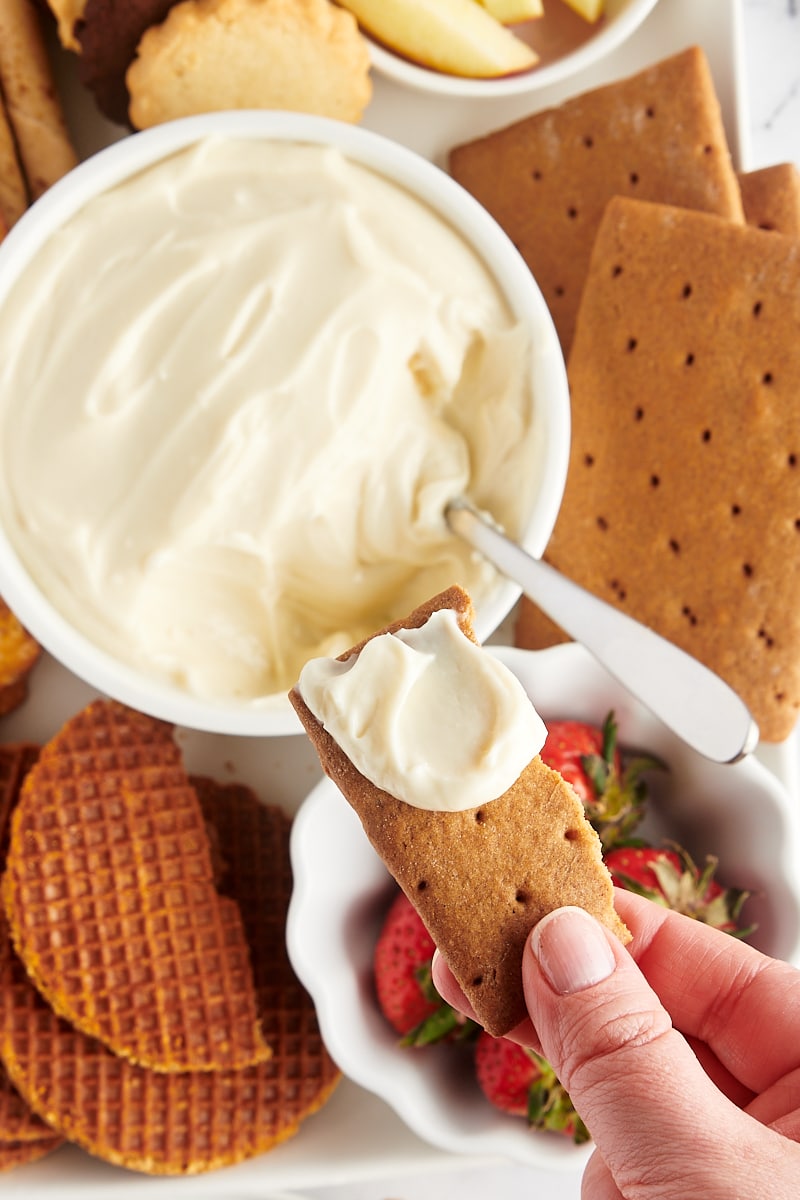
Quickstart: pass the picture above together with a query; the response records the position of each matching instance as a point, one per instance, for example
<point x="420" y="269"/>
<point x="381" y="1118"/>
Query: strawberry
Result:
<point x="403" y="982"/>
<point x="590" y="760"/>
<point x="672" y="879"/>
<point x="519" y="1081"/>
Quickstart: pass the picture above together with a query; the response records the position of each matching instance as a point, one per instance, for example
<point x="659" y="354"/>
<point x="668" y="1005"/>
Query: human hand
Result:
<point x="681" y="1052"/>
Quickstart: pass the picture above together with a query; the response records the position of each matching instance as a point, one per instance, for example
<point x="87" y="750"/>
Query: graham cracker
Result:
<point x="13" y="192"/>
<point x="682" y="503"/>
<point x="771" y="198"/>
<point x="657" y="135"/>
<point x="481" y="878"/>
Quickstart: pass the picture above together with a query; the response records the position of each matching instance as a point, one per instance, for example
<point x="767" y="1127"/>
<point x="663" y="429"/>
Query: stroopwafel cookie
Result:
<point x="109" y="893"/>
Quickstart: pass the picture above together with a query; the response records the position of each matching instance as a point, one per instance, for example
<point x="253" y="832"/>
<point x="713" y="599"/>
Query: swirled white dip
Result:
<point x="236" y="392"/>
<point x="427" y="715"/>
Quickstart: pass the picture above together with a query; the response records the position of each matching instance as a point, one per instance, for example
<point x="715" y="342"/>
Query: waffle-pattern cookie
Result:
<point x="184" y="1123"/>
<point x="19" y="653"/>
<point x="18" y="1154"/>
<point x="23" y="1135"/>
<point x="110" y="897"/>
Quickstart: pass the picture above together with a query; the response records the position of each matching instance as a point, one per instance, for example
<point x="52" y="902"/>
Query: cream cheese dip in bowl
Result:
<point x="245" y="361"/>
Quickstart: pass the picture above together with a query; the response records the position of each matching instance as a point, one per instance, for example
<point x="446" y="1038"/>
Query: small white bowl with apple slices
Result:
<point x="486" y="48"/>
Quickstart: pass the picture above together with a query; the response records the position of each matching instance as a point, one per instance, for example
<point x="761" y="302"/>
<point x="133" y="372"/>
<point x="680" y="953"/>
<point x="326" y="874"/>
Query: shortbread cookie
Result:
<point x="109" y="892"/>
<point x="771" y="198"/>
<point x="546" y="179"/>
<point x="682" y="502"/>
<point x="481" y="877"/>
<point x="303" y="55"/>
<point x="29" y="92"/>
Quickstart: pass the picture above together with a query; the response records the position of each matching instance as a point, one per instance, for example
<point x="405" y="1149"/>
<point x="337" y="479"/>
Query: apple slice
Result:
<point x="458" y="37"/>
<point x="510" y="12"/>
<point x="590" y="10"/>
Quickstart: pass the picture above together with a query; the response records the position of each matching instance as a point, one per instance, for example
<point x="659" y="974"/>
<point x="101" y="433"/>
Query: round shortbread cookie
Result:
<point x="208" y="55"/>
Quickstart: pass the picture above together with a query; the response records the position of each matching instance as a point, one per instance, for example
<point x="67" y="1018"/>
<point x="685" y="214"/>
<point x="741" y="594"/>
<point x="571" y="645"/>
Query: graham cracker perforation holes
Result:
<point x="766" y="638"/>
<point x="572" y="212"/>
<point x="421" y="885"/>
<point x="477" y="981"/>
<point x="616" y="271"/>
<point x="747" y="570"/>
<point x="689" y="360"/>
<point x="650" y="111"/>
<point x="638" y="414"/>
<point x="687" y="291"/>
<point x="674" y="546"/>
<point x="791" y="460"/>
<point x="757" y="308"/>
<point x="618" y="590"/>
<point x="632" y="344"/>
<point x="588" y="141"/>
<point x="736" y="510"/>
<point x="654" y="481"/>
<point x="633" y="178"/>
<point x="767" y="378"/>
<point x="480" y="817"/>
<point x="522" y="897"/>
<point x="536" y="174"/>
<point x="602" y="523"/>
<point x="572" y="835"/>
<point x="588" y="460"/>
<point x="690" y="616"/>
<point x="705" y="436"/>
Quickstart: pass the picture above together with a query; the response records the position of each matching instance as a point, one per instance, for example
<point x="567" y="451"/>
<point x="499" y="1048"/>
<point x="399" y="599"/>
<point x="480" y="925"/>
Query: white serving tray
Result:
<point x="355" y="1137"/>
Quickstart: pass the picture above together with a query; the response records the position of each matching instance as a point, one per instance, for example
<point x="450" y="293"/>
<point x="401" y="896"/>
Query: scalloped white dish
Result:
<point x="740" y="813"/>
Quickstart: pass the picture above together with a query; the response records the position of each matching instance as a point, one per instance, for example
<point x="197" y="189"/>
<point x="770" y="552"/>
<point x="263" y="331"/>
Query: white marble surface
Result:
<point x="771" y="43"/>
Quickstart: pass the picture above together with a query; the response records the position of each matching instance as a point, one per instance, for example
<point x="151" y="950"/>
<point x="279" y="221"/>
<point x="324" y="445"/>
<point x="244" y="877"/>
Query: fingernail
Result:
<point x="572" y="950"/>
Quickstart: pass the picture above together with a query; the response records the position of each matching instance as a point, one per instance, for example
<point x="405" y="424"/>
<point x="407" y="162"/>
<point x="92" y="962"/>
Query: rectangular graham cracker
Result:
<point x="546" y="179"/>
<point x="771" y="198"/>
<point x="481" y="878"/>
<point x="682" y="503"/>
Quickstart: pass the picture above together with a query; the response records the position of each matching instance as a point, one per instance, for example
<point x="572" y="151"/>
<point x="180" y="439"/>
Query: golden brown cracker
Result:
<point x="481" y="878"/>
<point x="771" y="198"/>
<point x="19" y="653"/>
<point x="109" y="892"/>
<point x="657" y="135"/>
<point x="302" y="55"/>
<point x="682" y="503"/>
<point x="34" y="109"/>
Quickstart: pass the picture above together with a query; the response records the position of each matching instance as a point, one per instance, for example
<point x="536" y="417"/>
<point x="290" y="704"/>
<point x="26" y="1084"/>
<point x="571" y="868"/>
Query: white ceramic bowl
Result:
<point x="341" y="889"/>
<point x="111" y="166"/>
<point x="621" y="19"/>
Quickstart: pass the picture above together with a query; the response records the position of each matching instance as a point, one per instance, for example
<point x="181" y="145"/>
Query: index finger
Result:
<point x="744" y="1005"/>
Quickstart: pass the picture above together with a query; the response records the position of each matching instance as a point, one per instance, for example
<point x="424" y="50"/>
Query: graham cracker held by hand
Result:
<point x="682" y="503"/>
<point x="480" y="878"/>
<point x="546" y="179"/>
<point x="771" y="198"/>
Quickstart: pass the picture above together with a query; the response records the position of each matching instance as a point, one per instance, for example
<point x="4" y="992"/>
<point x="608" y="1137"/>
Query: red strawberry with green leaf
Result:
<point x="403" y="981"/>
<point x="521" y="1082"/>
<point x="613" y="792"/>
<point x="671" y="878"/>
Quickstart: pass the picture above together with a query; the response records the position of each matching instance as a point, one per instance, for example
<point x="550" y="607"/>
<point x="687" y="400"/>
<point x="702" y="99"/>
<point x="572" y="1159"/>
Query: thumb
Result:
<point x="634" y="1080"/>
